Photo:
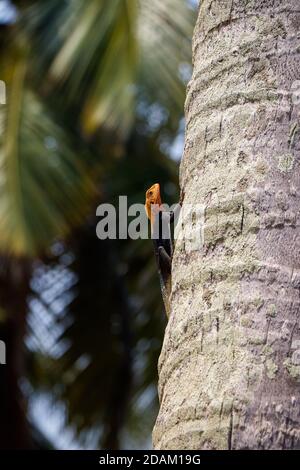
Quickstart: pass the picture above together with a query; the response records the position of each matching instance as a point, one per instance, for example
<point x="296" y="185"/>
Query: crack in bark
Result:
<point x="230" y="430"/>
<point x="242" y="220"/>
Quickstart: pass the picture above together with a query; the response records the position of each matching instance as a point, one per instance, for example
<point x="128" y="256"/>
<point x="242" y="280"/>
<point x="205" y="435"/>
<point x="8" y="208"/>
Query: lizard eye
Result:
<point x="150" y="193"/>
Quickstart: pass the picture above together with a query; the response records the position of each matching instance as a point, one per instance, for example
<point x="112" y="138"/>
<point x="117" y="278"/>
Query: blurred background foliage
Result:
<point x="94" y="109"/>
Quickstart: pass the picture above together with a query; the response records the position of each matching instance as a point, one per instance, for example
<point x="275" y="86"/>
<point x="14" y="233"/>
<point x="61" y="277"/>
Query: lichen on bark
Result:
<point x="226" y="372"/>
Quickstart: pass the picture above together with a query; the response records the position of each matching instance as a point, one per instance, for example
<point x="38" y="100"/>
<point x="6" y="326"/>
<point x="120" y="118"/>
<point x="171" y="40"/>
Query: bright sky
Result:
<point x="8" y="12"/>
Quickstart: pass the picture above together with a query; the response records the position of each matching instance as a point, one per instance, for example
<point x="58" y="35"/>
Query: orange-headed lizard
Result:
<point x="160" y="221"/>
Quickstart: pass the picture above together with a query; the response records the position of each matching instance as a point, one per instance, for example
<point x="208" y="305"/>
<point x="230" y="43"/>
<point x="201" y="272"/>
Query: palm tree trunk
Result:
<point x="229" y="370"/>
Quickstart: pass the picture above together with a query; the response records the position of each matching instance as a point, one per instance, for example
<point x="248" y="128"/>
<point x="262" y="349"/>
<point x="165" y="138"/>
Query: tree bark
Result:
<point x="229" y="369"/>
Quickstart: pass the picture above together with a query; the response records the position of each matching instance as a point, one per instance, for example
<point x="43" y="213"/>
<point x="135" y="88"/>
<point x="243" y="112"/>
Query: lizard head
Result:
<point x="152" y="197"/>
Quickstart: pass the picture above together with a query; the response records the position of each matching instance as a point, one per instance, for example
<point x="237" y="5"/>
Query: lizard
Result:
<point x="160" y="221"/>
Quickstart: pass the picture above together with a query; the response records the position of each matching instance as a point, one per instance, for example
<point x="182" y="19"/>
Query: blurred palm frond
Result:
<point x="107" y="55"/>
<point x="45" y="186"/>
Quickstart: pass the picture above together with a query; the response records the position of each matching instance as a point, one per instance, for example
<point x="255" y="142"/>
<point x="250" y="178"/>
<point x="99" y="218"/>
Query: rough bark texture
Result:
<point x="229" y="369"/>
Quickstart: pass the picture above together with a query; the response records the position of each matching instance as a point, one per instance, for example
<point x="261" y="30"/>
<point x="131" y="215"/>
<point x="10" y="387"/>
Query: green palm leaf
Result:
<point x="44" y="187"/>
<point x="107" y="54"/>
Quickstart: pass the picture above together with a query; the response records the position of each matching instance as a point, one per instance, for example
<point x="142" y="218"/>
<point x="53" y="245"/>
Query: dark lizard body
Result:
<point x="162" y="241"/>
